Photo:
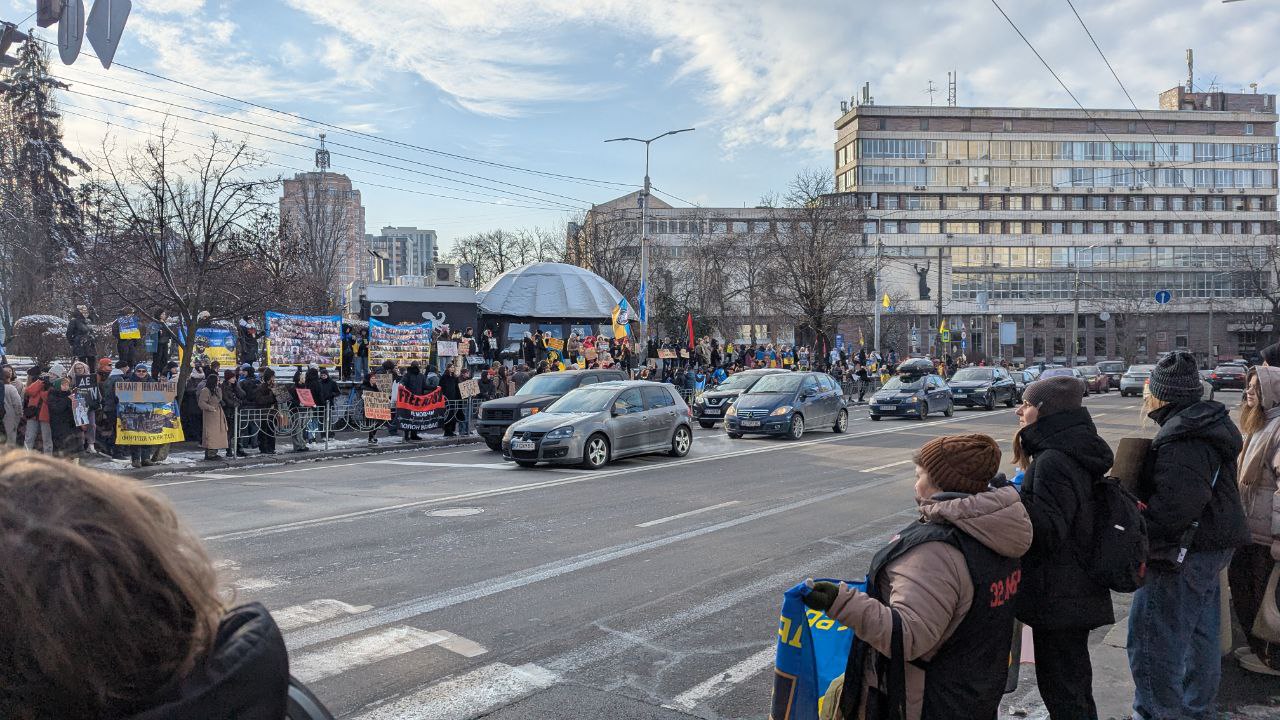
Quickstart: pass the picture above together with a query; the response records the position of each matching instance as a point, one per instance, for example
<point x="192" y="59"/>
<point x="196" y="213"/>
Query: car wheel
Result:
<point x="681" y="441"/>
<point x="797" y="427"/>
<point x="951" y="410"/>
<point x="706" y="425"/>
<point x="493" y="444"/>
<point x="595" y="453"/>
<point x="734" y="436"/>
<point x="1013" y="400"/>
<point x="526" y="463"/>
<point x="842" y="422"/>
<point x="924" y="410"/>
<point x="991" y="401"/>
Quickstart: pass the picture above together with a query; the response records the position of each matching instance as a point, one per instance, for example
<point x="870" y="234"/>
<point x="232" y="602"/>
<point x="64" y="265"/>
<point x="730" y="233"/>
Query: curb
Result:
<point x="285" y="457"/>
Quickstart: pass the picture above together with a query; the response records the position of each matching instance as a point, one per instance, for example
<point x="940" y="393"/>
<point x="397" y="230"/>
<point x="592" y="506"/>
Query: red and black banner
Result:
<point x="419" y="412"/>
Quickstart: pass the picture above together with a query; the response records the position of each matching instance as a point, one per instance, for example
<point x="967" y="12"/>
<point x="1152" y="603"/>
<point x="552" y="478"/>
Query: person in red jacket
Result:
<point x="36" y="410"/>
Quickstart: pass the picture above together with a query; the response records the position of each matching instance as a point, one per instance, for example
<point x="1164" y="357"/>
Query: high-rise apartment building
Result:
<point x="403" y="251"/>
<point x="1068" y="224"/>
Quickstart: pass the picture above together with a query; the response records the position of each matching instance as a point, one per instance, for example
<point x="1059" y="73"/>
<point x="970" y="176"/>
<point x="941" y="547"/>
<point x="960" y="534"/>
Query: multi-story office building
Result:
<point x="1043" y="218"/>
<point x="325" y="210"/>
<point x="399" y="251"/>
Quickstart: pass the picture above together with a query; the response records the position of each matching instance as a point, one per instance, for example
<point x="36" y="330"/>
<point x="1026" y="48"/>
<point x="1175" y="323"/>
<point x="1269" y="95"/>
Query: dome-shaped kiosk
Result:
<point x="546" y="297"/>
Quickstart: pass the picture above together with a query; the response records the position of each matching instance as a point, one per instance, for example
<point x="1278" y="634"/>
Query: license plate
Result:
<point x="750" y="423"/>
<point x="709" y="411"/>
<point x="886" y="407"/>
<point x="523" y="445"/>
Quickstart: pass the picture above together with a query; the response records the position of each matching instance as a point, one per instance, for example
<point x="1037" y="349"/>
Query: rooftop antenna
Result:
<point x="1190" y="70"/>
<point x="951" y="87"/>
<point x="322" y="156"/>
<point x="930" y="91"/>
<point x="1254" y="87"/>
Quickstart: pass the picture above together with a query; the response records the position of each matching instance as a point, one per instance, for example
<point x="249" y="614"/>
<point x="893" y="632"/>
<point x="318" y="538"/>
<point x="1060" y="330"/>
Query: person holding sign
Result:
<point x="937" y="619"/>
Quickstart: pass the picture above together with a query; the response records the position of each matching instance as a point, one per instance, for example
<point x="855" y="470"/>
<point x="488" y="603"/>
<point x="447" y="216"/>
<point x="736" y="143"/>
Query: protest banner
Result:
<point x="304" y="398"/>
<point x="419" y="412"/>
<point x="555" y="343"/>
<point x="212" y="345"/>
<point x="377" y="405"/>
<point x="128" y="327"/>
<point x="147" y="413"/>
<point x="447" y="348"/>
<point x="812" y="652"/>
<point x="304" y="340"/>
<point x="469" y="388"/>
<point x="667" y="354"/>
<point x="401" y="344"/>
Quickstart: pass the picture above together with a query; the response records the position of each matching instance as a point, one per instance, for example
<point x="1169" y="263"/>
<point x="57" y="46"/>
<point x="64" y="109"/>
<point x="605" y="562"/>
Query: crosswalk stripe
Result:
<point x="296" y="616"/>
<point x="469" y="695"/>
<point x="722" y="682"/>
<point x="461" y="645"/>
<point x="365" y="650"/>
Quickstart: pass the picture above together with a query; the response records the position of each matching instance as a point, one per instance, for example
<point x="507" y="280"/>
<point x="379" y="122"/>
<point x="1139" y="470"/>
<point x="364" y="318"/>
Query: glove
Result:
<point x="821" y="595"/>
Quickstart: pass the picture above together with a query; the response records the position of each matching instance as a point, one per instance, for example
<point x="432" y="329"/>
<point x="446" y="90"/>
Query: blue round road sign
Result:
<point x="1163" y="296"/>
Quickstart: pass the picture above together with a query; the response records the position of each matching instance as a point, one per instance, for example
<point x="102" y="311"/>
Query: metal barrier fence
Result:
<point x="299" y="424"/>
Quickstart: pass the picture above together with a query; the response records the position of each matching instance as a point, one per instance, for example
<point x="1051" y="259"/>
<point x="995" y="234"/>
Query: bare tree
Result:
<point x="608" y="244"/>
<point x="494" y="252"/>
<point x="322" y="225"/>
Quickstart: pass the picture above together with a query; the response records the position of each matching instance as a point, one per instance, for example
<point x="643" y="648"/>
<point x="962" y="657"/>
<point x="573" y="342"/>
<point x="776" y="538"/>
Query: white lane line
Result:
<point x="203" y="477"/>
<point x="460" y="645"/>
<point x="296" y="616"/>
<point x="470" y="695"/>
<point x="723" y="682"/>
<point x="699" y="511"/>
<point x="882" y="467"/>
<point x="382" y="645"/>
<point x="485" y="588"/>
<point x="419" y="463"/>
<point x="580" y="476"/>
<point x="252" y="584"/>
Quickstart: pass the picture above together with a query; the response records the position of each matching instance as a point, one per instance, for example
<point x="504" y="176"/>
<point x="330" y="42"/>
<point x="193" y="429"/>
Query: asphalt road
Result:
<point x="448" y="584"/>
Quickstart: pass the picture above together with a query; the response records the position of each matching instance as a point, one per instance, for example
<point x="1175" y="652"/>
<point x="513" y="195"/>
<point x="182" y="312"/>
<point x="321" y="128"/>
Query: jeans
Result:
<point x="1173" y="640"/>
<point x="46" y="434"/>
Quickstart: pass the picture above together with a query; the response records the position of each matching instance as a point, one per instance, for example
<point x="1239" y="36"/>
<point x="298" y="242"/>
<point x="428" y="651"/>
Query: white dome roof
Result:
<point x="549" y="290"/>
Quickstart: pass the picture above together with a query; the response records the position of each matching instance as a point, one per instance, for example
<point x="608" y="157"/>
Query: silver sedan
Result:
<point x="596" y="423"/>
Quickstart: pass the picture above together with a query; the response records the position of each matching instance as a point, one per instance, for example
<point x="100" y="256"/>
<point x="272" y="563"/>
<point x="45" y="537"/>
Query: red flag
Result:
<point x="688" y="323"/>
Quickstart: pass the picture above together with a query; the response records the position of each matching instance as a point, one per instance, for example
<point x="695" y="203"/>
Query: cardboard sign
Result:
<point x="590" y="353"/>
<point x="555" y="343"/>
<point x="447" y="348"/>
<point x="469" y="388"/>
<point x="377" y="405"/>
<point x="384" y="382"/>
<point x="146" y="392"/>
<point x="304" y="397"/>
<point x="684" y="353"/>
<point x="667" y="354"/>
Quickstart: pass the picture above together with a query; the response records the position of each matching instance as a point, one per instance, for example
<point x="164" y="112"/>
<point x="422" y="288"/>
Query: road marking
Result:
<point x="313" y="464"/>
<point x="296" y="616"/>
<point x="419" y="463"/>
<point x="379" y="646"/>
<point x="469" y="695"/>
<point x="581" y="476"/>
<point x="485" y="588"/>
<point x="204" y="477"/>
<point x="699" y="511"/>
<point x="460" y="645"/>
<point x="882" y="467"/>
<point x="251" y="584"/>
<point x="722" y="682"/>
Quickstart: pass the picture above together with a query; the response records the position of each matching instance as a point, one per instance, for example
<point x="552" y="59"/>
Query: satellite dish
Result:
<point x="1104" y="316"/>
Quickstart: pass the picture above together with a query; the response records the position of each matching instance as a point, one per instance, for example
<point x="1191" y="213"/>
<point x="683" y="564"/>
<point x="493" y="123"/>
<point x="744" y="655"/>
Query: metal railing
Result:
<point x="281" y="423"/>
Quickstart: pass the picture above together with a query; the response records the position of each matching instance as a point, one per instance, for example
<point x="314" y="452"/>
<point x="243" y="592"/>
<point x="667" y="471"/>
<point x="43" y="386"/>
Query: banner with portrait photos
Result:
<point x="419" y="412"/>
<point x="304" y="340"/>
<point x="401" y="344"/>
<point x="147" y="413"/>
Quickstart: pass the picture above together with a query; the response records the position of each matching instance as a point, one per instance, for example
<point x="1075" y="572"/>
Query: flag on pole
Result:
<point x="643" y="304"/>
<point x="688" y="323"/>
<point x="621" y="316"/>
<point x="885" y="301"/>
<point x="943" y="327"/>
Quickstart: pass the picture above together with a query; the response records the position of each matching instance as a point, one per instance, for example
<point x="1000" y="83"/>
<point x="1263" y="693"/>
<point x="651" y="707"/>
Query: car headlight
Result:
<point x="560" y="432"/>
<point x="697" y="400"/>
<point x="913" y="399"/>
<point x="506" y="436"/>
<point x="782" y="410"/>
<point x="731" y="411"/>
<point x="526" y="412"/>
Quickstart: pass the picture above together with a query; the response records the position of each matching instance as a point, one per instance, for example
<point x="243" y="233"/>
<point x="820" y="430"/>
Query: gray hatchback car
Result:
<point x="594" y="424"/>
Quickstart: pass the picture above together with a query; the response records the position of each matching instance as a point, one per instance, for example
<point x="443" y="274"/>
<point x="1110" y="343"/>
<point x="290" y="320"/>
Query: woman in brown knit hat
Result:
<point x="949" y="578"/>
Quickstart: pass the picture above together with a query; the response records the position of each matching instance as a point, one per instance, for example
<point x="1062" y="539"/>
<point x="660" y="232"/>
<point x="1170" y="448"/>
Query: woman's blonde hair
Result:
<point x="1150" y="403"/>
<point x="106" y="600"/>
<point x="1252" y="419"/>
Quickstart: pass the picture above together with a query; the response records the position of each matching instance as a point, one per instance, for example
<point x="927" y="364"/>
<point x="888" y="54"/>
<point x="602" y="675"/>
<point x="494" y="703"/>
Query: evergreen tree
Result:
<point x="38" y="201"/>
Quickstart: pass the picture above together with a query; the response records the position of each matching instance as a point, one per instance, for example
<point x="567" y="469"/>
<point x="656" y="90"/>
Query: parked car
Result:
<point x="710" y="405"/>
<point x="983" y="387"/>
<point x="916" y="366"/>
<point x="1114" y="369"/>
<point x="534" y="396"/>
<point x="1228" y="377"/>
<point x="913" y="396"/>
<point x="1096" y="380"/>
<point x="1067" y="372"/>
<point x="1021" y="379"/>
<point x="594" y="424"/>
<point x="788" y="404"/>
<point x="1135" y="379"/>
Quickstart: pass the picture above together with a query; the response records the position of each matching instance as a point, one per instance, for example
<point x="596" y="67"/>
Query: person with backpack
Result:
<point x="1252" y="565"/>
<point x="948" y="581"/>
<point x="1061" y="456"/>
<point x="1195" y="522"/>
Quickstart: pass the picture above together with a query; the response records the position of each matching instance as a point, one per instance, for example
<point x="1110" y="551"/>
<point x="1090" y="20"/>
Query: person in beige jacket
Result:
<point x="1260" y="494"/>
<point x="950" y="579"/>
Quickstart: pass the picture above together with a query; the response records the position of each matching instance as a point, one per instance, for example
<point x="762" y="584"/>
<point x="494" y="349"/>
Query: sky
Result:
<point x="470" y="115"/>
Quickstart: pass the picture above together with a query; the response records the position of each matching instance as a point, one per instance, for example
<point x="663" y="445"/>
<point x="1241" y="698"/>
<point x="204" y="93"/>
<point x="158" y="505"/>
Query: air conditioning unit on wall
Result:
<point x="379" y="310"/>
<point x="446" y="274"/>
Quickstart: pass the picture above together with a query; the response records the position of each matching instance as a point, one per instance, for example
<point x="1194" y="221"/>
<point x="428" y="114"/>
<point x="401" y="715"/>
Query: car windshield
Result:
<point x="548" y="385"/>
<point x="905" y="382"/>
<point x="972" y="374"/>
<point x="1229" y="370"/>
<point x="582" y="400"/>
<point x="1057" y="372"/>
<point x="780" y="383"/>
<point x="1089" y="371"/>
<point x="741" y="381"/>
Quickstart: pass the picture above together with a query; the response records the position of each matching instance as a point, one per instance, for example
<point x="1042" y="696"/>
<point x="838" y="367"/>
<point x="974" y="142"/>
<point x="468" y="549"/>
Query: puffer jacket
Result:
<point x="930" y="585"/>
<point x="1195" y="441"/>
<point x="245" y="676"/>
<point x="1067" y="456"/>
<point x="1260" y="467"/>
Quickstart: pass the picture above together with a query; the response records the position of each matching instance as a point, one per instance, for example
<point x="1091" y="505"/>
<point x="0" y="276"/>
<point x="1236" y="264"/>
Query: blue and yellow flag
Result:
<point x="621" y="316"/>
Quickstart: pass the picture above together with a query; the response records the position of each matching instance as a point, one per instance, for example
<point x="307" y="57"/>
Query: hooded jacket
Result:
<point x="1067" y="456"/>
<point x="930" y="585"/>
<point x="244" y="677"/>
<point x="1195" y="442"/>
<point x="1260" y="466"/>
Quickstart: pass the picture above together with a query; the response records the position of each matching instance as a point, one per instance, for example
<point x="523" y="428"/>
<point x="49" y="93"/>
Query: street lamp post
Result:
<point x="644" y="237"/>
<point x="1075" y="314"/>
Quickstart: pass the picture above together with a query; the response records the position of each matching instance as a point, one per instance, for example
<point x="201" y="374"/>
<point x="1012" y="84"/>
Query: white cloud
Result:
<point x="655" y="57"/>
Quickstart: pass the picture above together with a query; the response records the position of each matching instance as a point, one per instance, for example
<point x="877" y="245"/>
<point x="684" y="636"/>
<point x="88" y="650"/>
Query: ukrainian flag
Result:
<point x="621" y="316"/>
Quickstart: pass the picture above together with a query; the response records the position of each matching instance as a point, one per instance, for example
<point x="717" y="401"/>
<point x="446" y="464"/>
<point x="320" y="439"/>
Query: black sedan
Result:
<point x="983" y="387"/>
<point x="912" y="396"/>
<point x="1228" y="377"/>
<point x="709" y="406"/>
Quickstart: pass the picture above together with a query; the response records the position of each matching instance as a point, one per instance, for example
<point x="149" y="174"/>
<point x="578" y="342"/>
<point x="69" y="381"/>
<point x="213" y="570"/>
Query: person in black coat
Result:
<point x="1062" y="454"/>
<point x="232" y="398"/>
<point x="416" y="383"/>
<point x="1195" y="522"/>
<point x="329" y="392"/>
<point x="449" y="387"/>
<point x="80" y="337"/>
<point x="529" y="350"/>
<point x="67" y="438"/>
<point x="263" y="396"/>
<point x="247" y="341"/>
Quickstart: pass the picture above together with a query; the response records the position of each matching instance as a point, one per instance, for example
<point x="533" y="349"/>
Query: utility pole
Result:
<point x="643" y="300"/>
<point x="939" y="324"/>
<point x="875" y="336"/>
<point x="1075" y="314"/>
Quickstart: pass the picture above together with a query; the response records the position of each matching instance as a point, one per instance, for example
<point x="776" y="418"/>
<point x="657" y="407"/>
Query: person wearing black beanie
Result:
<point x="1195" y="522"/>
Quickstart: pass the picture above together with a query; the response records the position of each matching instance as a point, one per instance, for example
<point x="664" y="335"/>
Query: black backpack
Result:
<point x="1119" y="554"/>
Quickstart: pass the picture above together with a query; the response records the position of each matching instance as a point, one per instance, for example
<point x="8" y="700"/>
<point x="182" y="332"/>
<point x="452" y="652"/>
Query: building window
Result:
<point x="881" y="124"/>
<point x="1037" y="345"/>
<point x="1133" y="126"/>
<point x="1211" y="128"/>
<point x="1008" y="126"/>
<point x="1099" y="346"/>
<point x="924" y="123"/>
<point x="1248" y="128"/>
<point x="1180" y="342"/>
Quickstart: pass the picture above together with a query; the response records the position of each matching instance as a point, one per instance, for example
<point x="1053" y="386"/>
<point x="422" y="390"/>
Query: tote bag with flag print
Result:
<point x="813" y="652"/>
